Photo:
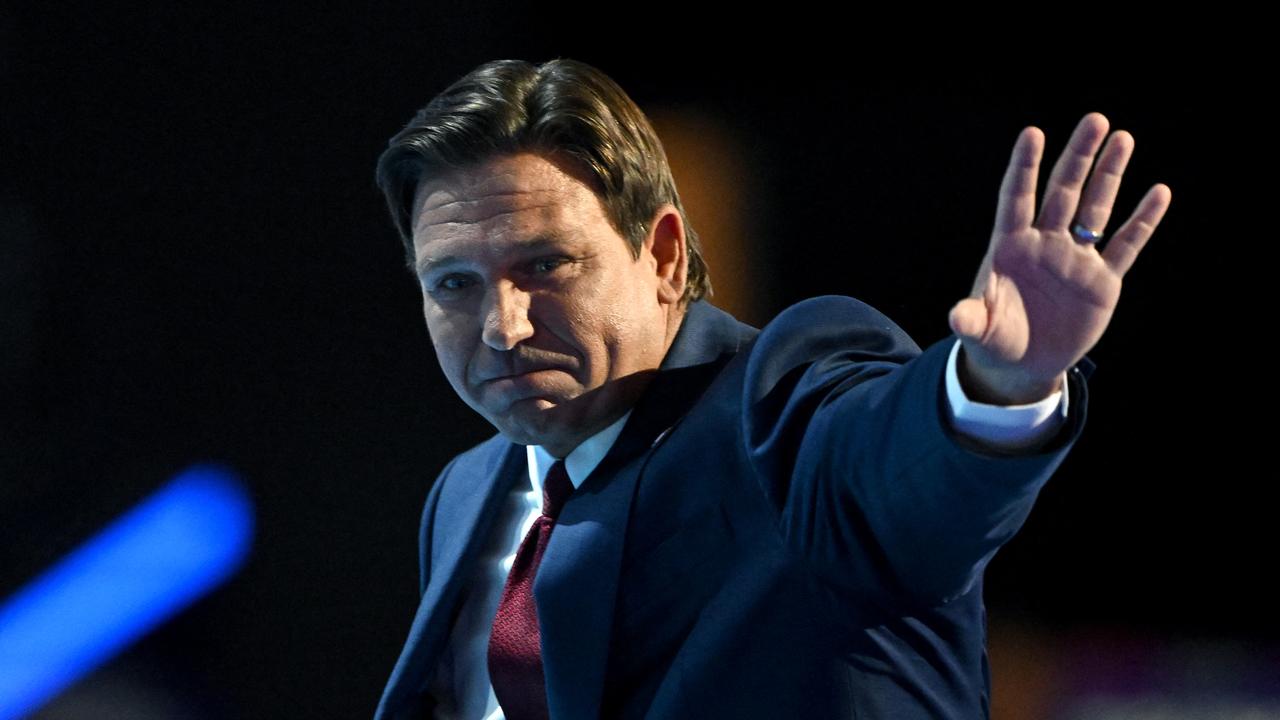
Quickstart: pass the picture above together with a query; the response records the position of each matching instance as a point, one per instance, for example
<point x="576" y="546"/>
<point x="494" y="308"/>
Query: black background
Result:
<point x="197" y="265"/>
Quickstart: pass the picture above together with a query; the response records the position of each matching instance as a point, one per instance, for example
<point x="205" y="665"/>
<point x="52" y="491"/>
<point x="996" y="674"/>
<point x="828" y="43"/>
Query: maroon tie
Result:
<point x="515" y="650"/>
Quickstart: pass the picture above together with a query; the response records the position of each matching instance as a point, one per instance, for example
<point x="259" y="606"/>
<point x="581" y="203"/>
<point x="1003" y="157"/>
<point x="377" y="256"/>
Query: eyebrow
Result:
<point x="537" y="242"/>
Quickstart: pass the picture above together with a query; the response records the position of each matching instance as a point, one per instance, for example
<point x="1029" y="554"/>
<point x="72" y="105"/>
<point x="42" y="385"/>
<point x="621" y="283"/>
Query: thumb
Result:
<point x="968" y="318"/>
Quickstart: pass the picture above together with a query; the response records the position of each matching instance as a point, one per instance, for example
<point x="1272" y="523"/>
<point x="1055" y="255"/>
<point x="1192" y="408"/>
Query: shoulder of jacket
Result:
<point x="831" y="310"/>
<point x="834" y="323"/>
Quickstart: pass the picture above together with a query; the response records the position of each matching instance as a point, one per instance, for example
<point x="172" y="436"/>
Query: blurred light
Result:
<point x="179" y="544"/>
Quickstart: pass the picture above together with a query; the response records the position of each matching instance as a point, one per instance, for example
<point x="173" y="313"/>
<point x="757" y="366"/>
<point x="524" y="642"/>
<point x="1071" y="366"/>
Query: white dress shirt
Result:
<point x="460" y="682"/>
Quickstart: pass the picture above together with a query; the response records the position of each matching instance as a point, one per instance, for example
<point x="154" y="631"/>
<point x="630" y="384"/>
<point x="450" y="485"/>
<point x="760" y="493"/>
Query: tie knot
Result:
<point x="556" y="489"/>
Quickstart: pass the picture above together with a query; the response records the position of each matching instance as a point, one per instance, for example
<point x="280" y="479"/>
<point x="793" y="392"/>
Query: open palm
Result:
<point x="1043" y="296"/>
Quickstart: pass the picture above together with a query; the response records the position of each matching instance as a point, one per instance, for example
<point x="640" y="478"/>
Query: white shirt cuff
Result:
<point x="1003" y="427"/>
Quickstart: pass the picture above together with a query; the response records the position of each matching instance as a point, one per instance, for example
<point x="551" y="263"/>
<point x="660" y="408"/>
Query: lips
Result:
<point x="524" y="371"/>
<point x="490" y="367"/>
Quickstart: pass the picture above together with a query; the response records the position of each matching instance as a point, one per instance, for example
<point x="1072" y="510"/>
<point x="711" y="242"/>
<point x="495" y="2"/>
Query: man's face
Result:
<point x="541" y="319"/>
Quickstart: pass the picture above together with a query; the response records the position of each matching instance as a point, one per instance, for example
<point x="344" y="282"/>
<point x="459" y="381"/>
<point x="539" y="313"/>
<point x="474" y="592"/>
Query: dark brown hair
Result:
<point x="562" y="107"/>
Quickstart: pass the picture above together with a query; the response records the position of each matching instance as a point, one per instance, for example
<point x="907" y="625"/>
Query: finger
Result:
<point x="1125" y="245"/>
<point x="1069" y="173"/>
<point x="982" y="277"/>
<point x="1017" y="203"/>
<point x="1100" y="193"/>
<point x="968" y="318"/>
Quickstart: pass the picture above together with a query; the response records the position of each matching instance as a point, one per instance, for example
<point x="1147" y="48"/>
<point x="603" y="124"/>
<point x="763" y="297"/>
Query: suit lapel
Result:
<point x="463" y="513"/>
<point x="577" y="582"/>
<point x="575" y="589"/>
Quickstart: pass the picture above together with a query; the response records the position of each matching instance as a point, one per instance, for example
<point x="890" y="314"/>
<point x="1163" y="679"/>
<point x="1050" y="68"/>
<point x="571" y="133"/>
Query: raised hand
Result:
<point x="1044" y="294"/>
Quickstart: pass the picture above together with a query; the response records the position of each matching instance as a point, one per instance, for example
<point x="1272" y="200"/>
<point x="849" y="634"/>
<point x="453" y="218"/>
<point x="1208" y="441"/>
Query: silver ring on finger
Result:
<point x="1085" y="235"/>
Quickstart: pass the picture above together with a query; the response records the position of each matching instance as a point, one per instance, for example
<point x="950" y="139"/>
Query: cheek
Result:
<point x="444" y="355"/>
<point x="628" y="333"/>
<point x="589" y="325"/>
<point x="451" y="351"/>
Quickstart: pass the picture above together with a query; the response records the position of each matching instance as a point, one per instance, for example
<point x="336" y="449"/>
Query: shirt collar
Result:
<point x="580" y="461"/>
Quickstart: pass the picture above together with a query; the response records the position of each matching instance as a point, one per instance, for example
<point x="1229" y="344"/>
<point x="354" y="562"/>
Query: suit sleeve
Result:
<point x="843" y="418"/>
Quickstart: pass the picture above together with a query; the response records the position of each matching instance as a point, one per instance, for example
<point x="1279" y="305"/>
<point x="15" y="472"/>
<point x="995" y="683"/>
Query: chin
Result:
<point x="536" y="421"/>
<point x="559" y="417"/>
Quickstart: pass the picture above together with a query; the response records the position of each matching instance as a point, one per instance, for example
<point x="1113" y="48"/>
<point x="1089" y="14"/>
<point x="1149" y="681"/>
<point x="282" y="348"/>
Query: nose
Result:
<point x="506" y="316"/>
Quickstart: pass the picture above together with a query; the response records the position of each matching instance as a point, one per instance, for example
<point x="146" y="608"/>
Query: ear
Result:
<point x="666" y="249"/>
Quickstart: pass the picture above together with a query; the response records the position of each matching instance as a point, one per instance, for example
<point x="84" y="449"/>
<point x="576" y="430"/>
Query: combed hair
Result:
<point x="562" y="106"/>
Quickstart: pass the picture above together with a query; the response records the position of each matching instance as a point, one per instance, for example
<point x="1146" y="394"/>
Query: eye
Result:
<point x="542" y="266"/>
<point x="453" y="283"/>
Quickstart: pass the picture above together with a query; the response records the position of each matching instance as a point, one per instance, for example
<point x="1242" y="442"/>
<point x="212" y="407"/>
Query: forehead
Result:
<point x="503" y="196"/>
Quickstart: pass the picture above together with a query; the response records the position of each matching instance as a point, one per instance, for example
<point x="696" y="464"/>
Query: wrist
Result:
<point x="997" y="387"/>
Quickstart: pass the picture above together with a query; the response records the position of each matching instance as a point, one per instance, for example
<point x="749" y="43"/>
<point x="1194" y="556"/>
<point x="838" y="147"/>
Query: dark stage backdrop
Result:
<point x="196" y="265"/>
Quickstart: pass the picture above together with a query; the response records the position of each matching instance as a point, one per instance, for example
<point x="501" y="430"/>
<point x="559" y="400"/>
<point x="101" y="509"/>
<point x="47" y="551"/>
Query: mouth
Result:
<point x="548" y="384"/>
<point x="522" y="373"/>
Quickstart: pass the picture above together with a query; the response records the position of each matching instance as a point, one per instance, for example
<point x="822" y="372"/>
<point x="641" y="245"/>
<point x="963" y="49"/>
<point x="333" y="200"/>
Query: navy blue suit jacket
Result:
<point x="786" y="527"/>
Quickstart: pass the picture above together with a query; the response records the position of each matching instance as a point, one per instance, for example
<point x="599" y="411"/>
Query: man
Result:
<point x="683" y="516"/>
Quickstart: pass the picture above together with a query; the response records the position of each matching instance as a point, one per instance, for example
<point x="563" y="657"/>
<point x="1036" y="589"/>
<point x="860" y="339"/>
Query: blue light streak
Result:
<point x="176" y="546"/>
